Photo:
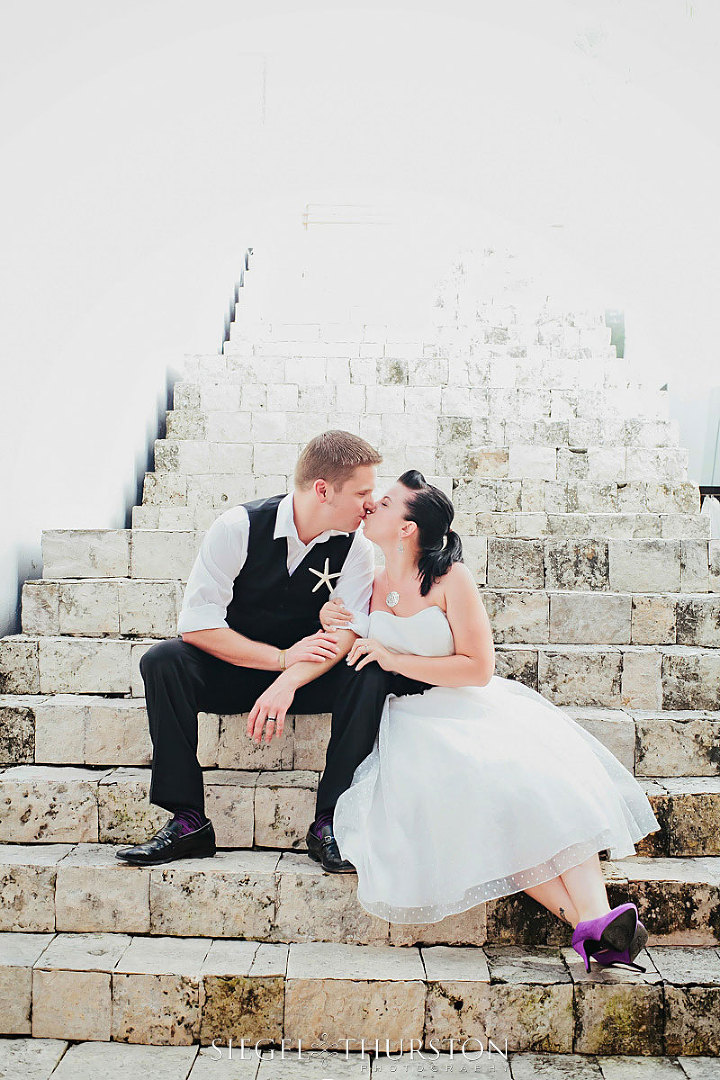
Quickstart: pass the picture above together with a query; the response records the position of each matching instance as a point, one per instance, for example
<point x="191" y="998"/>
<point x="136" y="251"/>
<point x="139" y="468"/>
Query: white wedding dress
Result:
<point x="475" y="792"/>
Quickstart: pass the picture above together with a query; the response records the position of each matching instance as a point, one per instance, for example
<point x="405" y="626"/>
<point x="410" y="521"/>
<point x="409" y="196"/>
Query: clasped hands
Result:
<point x="271" y="707"/>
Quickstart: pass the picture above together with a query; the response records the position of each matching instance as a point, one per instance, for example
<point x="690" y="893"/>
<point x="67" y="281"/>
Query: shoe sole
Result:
<point x="618" y="934"/>
<point x="167" y="859"/>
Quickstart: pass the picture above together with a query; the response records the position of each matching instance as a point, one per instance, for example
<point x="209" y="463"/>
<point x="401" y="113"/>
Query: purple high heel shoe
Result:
<point x="612" y="935"/>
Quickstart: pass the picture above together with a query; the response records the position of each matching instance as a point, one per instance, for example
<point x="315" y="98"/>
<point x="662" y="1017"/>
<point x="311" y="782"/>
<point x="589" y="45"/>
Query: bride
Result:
<point x="480" y="787"/>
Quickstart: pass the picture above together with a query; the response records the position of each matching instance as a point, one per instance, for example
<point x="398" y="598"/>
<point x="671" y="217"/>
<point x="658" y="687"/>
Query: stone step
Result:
<point x="166" y="990"/>
<point x="284" y="896"/>
<point x="273" y="808"/>
<point x="130" y="607"/>
<point x="83" y="1060"/>
<point x="471" y="388"/>
<point x="528" y="526"/>
<point x="631" y="676"/>
<point x="269" y="449"/>
<point x="469" y="494"/>
<point x="79" y="729"/>
<point x="632" y="564"/>
<point x="230" y="414"/>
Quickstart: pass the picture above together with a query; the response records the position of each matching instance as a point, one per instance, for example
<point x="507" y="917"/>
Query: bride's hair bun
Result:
<point x="432" y="511"/>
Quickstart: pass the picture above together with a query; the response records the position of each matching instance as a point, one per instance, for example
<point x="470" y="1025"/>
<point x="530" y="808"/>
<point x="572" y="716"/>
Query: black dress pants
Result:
<point x="182" y="680"/>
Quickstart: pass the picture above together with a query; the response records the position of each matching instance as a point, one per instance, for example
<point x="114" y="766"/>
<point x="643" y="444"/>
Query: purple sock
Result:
<point x="190" y="819"/>
<point x="324" y="818"/>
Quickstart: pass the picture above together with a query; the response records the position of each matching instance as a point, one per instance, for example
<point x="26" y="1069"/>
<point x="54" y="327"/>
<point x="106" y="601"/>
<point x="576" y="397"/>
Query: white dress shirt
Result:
<point x="223" y="552"/>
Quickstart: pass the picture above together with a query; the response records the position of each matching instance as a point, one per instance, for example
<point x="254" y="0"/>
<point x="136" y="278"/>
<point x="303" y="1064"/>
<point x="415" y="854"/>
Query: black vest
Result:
<point x="268" y="604"/>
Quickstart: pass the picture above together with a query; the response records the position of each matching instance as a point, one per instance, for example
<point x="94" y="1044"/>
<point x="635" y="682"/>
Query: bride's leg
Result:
<point x="554" y="896"/>
<point x="586" y="886"/>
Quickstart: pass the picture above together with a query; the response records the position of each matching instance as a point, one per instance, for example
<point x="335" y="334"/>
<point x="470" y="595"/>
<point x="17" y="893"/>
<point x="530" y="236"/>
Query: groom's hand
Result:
<point x="270" y="708"/>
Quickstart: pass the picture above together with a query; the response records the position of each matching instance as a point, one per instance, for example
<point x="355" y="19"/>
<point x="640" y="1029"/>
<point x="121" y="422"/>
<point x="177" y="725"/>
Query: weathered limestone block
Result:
<point x="612" y="1016"/>
<point x="714" y="565"/>
<point x="88" y="608"/>
<point x="576" y="564"/>
<point x="606" y="464"/>
<point x="244" y="993"/>
<point x="613" y="728"/>
<point x="312" y="735"/>
<point x="690" y="678"/>
<point x="603" y="618"/>
<point x="653" y="620"/>
<point x="150" y="609"/>
<point x="27" y="885"/>
<point x="186" y="424"/>
<point x="284" y="808"/>
<point x="465" y="928"/>
<point x="572" y="463"/>
<point x="229" y="802"/>
<point x="488" y="462"/>
<point x="698" y="620"/>
<point x="677" y="744"/>
<point x="84" y="665"/>
<point x="580" y="676"/>
<point x="85" y="553"/>
<point x="19" y="665"/>
<point x="589" y="497"/>
<point x="125" y="815"/>
<point x="676" y="898"/>
<point x="40" y="607"/>
<point x="514" y="563"/>
<point x="533" y="462"/>
<point x="694" y="571"/>
<point x="237" y="426"/>
<point x="156" y="990"/>
<point x="384" y="998"/>
<point x="526" y="999"/>
<point x="641" y="679"/>
<point x="42" y="803"/>
<point x="517" y="616"/>
<point x="97" y="892"/>
<point x="542" y="496"/>
<point x="163" y="555"/>
<point x="279" y="457"/>
<point x="692" y="999"/>
<point x="231" y="895"/>
<point x="475" y="555"/>
<point x="514" y="662"/>
<point x="17" y="729"/>
<point x="315" y="906"/>
<point x="75" y="968"/>
<point x="690" y="815"/>
<point x="18" y="953"/>
<point x="644" y="565"/>
<point x="35" y="1059"/>
<point x="236" y="750"/>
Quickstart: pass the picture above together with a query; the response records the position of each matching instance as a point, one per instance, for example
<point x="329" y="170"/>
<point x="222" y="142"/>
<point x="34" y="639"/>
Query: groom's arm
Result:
<point x="202" y="621"/>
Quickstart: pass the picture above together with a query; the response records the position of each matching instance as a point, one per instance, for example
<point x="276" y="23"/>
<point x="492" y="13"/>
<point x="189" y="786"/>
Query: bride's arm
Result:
<point x="474" y="661"/>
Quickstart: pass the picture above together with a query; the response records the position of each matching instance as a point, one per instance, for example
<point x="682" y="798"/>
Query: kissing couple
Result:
<point x="444" y="785"/>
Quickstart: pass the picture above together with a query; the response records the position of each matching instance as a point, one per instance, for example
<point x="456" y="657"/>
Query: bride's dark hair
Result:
<point x="432" y="511"/>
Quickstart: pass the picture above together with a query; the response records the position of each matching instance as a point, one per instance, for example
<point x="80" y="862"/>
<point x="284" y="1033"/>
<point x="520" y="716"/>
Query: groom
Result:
<point x="249" y="640"/>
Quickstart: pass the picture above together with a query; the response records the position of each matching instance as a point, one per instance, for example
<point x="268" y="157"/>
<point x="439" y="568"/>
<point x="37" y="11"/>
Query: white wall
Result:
<point x="145" y="145"/>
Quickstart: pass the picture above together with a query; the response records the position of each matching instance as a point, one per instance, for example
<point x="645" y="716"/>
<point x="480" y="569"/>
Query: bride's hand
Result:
<point x="334" y="615"/>
<point x="369" y="649"/>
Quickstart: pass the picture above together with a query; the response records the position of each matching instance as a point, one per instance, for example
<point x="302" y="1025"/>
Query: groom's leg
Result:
<point x="180" y="681"/>
<point x="359" y="700"/>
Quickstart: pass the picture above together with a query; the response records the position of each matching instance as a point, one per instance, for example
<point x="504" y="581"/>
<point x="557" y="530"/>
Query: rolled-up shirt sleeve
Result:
<point x="209" y="588"/>
<point x="355" y="584"/>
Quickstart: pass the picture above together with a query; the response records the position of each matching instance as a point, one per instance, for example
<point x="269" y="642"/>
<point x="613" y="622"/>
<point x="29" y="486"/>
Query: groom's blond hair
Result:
<point x="333" y="456"/>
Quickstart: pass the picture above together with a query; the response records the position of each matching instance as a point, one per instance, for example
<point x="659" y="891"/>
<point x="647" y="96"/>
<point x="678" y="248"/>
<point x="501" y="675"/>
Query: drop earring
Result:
<point x="400" y="547"/>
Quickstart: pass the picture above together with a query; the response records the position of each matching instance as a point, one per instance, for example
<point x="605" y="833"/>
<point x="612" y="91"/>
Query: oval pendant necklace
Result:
<point x="393" y="598"/>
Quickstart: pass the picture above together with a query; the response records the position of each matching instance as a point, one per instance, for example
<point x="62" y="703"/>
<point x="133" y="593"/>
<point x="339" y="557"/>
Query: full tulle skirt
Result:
<point x="473" y="793"/>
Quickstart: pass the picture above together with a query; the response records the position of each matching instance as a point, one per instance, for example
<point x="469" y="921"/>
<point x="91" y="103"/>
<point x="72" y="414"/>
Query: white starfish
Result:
<point x="324" y="576"/>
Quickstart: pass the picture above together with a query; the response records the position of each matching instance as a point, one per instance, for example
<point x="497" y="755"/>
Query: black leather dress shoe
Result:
<point x="169" y="843"/>
<point x="325" y="851"/>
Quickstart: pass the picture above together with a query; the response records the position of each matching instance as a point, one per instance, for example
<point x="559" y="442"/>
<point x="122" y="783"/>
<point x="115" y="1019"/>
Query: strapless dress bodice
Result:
<point x="426" y="633"/>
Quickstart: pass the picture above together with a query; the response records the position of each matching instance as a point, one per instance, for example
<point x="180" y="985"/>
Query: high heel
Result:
<point x="625" y="956"/>
<point x="613" y="932"/>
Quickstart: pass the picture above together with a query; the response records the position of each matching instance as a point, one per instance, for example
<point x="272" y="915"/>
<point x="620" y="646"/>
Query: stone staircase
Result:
<point x="603" y="589"/>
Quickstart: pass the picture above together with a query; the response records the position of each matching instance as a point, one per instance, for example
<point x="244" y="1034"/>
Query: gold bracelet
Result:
<point x="281" y="659"/>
